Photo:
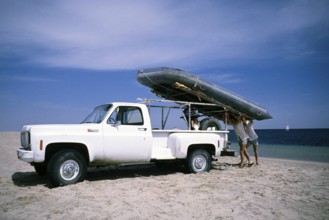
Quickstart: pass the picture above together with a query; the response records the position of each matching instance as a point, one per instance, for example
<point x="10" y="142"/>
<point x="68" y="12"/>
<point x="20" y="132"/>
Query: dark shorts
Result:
<point x="253" y="142"/>
<point x="244" y="141"/>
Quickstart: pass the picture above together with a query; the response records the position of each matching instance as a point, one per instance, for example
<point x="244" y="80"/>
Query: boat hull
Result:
<point x="178" y="85"/>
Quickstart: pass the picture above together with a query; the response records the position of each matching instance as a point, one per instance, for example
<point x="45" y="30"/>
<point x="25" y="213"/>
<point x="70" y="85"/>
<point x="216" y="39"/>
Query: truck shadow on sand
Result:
<point x="135" y="171"/>
<point x="30" y="179"/>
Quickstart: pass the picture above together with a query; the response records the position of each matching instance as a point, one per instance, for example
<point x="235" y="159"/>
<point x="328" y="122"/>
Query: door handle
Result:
<point x="92" y="130"/>
<point x="142" y="129"/>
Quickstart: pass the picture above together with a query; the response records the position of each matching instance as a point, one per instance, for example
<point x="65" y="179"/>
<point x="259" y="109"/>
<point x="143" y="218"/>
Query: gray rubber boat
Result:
<point x="178" y="85"/>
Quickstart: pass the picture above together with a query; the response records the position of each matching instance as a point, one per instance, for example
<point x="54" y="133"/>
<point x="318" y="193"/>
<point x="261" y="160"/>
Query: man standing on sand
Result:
<point x="242" y="139"/>
<point x="253" y="137"/>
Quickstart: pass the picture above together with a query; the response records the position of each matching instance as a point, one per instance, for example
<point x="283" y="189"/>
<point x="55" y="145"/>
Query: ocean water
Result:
<point x="295" y="144"/>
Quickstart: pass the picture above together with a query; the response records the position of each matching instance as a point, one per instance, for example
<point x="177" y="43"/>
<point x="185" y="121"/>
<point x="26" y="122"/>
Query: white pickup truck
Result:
<point x="112" y="134"/>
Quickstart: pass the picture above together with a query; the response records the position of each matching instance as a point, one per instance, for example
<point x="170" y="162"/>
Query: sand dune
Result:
<point x="277" y="189"/>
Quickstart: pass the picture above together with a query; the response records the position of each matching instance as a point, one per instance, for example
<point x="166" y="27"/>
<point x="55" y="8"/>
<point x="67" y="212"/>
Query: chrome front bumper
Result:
<point x="24" y="155"/>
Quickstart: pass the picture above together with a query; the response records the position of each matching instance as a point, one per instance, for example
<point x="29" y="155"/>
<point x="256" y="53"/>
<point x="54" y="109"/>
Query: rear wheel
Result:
<point x="67" y="167"/>
<point x="198" y="161"/>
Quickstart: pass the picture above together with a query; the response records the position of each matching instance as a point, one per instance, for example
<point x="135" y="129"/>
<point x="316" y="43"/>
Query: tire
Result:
<point x="41" y="170"/>
<point x="210" y="124"/>
<point x="198" y="161"/>
<point x="67" y="167"/>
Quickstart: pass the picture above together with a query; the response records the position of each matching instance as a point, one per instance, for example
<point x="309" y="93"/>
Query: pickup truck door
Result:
<point x="125" y="136"/>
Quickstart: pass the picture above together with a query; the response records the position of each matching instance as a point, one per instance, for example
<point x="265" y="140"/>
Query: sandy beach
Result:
<point x="276" y="189"/>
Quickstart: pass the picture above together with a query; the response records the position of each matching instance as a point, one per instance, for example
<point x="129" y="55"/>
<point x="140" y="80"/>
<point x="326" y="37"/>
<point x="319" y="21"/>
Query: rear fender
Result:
<point x="181" y="144"/>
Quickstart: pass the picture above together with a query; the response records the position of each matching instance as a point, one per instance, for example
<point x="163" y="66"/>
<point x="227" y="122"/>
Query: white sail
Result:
<point x="287" y="127"/>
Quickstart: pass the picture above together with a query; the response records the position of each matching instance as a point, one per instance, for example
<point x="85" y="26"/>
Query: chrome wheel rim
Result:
<point x="200" y="162"/>
<point x="69" y="170"/>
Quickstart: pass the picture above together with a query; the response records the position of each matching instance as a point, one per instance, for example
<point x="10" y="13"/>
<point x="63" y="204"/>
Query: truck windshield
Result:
<point x="98" y="114"/>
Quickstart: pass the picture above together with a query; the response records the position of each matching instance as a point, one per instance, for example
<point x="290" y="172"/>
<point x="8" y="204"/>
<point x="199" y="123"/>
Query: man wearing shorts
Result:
<point x="253" y="137"/>
<point x="242" y="138"/>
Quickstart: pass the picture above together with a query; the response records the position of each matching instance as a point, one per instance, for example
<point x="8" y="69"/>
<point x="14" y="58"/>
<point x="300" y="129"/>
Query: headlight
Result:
<point x="25" y="139"/>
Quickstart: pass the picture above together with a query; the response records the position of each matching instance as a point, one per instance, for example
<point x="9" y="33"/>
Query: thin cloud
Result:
<point x="35" y="79"/>
<point x="130" y="34"/>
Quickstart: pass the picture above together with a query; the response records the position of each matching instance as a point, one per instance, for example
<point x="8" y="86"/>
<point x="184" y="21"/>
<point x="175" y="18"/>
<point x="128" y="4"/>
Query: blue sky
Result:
<point x="59" y="59"/>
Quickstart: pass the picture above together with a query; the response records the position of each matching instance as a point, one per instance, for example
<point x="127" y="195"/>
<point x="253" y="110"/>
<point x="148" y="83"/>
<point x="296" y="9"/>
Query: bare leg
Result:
<point x="241" y="152"/>
<point x="246" y="154"/>
<point x="256" y="153"/>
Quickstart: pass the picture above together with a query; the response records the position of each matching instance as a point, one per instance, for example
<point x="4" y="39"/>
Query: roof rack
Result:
<point x="224" y="112"/>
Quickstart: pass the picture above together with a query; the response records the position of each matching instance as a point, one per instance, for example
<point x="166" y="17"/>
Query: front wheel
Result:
<point x="67" y="167"/>
<point x="199" y="161"/>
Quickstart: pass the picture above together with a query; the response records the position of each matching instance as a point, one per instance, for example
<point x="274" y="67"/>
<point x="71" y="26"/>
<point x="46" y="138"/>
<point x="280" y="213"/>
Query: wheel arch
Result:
<point x="208" y="147"/>
<point x="53" y="148"/>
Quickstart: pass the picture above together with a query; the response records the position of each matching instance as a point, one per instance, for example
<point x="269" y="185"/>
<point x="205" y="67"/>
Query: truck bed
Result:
<point x="164" y="146"/>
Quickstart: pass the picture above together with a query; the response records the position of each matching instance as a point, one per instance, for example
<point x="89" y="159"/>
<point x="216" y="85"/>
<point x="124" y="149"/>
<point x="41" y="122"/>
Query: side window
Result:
<point x="132" y="116"/>
<point x="114" y="117"/>
<point x="126" y="116"/>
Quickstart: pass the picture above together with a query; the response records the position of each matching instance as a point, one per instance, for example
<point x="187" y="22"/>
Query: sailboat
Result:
<point x="287" y="127"/>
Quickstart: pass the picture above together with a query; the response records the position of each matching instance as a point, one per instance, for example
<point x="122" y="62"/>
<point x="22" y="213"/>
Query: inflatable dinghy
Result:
<point x="178" y="85"/>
